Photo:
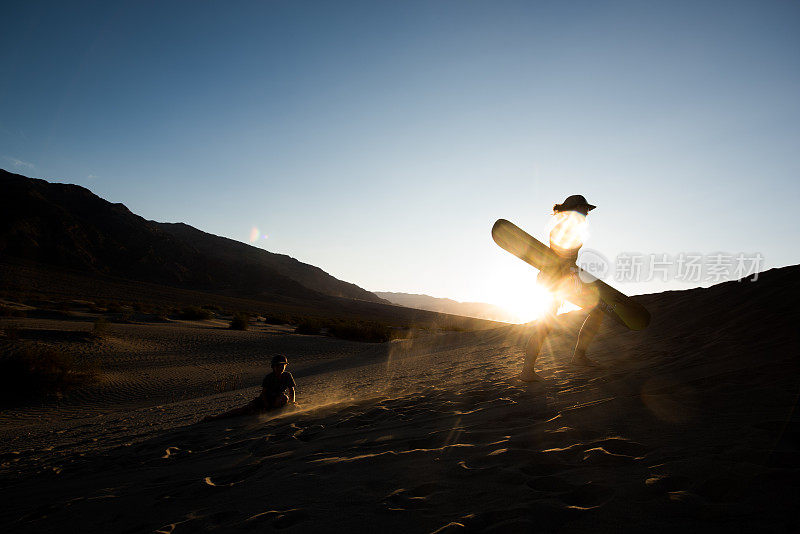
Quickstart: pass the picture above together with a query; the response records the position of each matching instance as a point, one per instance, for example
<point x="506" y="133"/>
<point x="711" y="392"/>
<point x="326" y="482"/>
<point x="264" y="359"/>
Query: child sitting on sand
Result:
<point x="277" y="390"/>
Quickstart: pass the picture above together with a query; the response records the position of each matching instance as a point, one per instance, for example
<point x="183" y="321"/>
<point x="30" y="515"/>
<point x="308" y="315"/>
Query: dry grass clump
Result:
<point x="100" y="327"/>
<point x="11" y="332"/>
<point x="309" y="327"/>
<point x="351" y="330"/>
<point x="240" y="321"/>
<point x="35" y="370"/>
<point x="272" y="318"/>
<point x="361" y="331"/>
<point x="193" y="313"/>
<point x="114" y="307"/>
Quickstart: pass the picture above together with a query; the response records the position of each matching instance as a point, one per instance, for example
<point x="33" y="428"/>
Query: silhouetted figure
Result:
<point x="277" y="390"/>
<point x="566" y="239"/>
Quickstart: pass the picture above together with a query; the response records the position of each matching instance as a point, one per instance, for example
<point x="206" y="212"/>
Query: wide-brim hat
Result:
<point x="279" y="359"/>
<point x="574" y="201"/>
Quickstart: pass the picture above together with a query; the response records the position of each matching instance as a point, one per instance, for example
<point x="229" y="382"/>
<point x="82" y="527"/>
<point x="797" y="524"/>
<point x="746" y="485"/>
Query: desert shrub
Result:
<point x="12" y="331"/>
<point x="240" y="321"/>
<point x="210" y="307"/>
<point x="100" y="327"/>
<point x="401" y="332"/>
<point x="366" y="331"/>
<point x="143" y="307"/>
<point x="360" y="331"/>
<point x="309" y="327"/>
<point x="114" y="307"/>
<point x="35" y="370"/>
<point x="193" y="313"/>
<point x="270" y="318"/>
<point x="448" y="326"/>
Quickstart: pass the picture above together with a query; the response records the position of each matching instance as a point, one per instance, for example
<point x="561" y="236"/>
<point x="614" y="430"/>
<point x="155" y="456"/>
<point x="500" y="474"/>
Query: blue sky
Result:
<point x="380" y="140"/>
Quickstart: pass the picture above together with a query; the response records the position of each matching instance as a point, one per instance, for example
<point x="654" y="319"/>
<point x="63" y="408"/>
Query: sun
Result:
<point x="513" y="287"/>
<point x="528" y="304"/>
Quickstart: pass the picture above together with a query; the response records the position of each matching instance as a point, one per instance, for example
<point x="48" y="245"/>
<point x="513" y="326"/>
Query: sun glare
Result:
<point x="569" y="230"/>
<point x="528" y="305"/>
<point x="513" y="284"/>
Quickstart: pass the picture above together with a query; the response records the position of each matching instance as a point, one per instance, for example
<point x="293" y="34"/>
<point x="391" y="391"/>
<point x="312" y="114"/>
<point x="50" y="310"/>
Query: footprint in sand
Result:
<point x="599" y="456"/>
<point x="279" y="519"/>
<point x="174" y="452"/>
<point x="622" y="446"/>
<point x="233" y="477"/>
<point x="309" y="433"/>
<point x="450" y="528"/>
<point x="411" y="499"/>
<point x="589" y="495"/>
<point x="614" y="451"/>
<point x="663" y="484"/>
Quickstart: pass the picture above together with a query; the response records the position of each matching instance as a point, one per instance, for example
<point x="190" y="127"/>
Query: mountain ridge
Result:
<point x="478" y="310"/>
<point x="66" y="225"/>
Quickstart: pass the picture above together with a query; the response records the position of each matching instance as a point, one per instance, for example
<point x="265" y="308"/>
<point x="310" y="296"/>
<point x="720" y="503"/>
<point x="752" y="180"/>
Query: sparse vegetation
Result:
<point x="100" y="327"/>
<point x="35" y="370"/>
<point x="11" y="332"/>
<point x="366" y="331"/>
<point x="361" y="331"/>
<point x="114" y="307"/>
<point x="142" y="307"/>
<point x="448" y="326"/>
<point x="240" y="321"/>
<point x="309" y="327"/>
<point x="271" y="318"/>
<point x="193" y="313"/>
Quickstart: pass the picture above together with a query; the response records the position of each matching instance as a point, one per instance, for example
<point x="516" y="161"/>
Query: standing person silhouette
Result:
<point x="566" y="238"/>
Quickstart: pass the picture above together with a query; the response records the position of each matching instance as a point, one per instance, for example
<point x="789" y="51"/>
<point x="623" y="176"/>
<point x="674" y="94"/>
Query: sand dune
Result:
<point x="690" y="424"/>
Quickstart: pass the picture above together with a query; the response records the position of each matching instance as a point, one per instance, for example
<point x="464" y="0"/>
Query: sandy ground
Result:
<point x="689" y="425"/>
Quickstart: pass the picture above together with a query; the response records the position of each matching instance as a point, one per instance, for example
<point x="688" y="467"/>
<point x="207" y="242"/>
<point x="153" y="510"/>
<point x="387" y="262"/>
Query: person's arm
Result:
<point x="290" y="394"/>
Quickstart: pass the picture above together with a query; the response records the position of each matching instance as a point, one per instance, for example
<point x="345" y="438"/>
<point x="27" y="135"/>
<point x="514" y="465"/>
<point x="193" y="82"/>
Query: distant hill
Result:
<point x="68" y="226"/>
<point x="478" y="310"/>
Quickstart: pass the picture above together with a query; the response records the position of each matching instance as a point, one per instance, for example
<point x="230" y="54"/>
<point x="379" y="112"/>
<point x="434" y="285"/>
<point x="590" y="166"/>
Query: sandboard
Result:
<point x="581" y="288"/>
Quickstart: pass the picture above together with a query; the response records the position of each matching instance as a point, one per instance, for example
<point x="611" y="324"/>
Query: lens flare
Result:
<point x="530" y="305"/>
<point x="568" y="231"/>
<point x="254" y="233"/>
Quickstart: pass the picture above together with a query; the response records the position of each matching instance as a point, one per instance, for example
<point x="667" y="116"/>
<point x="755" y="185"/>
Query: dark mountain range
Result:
<point x="480" y="310"/>
<point x="68" y="226"/>
<point x="228" y="251"/>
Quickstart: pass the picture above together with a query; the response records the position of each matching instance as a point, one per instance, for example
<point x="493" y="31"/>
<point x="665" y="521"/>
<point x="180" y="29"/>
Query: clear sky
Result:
<point x="380" y="140"/>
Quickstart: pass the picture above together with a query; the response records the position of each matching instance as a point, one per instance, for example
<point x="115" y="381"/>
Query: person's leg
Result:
<point x="535" y="342"/>
<point x="588" y="331"/>
<point x="280" y="401"/>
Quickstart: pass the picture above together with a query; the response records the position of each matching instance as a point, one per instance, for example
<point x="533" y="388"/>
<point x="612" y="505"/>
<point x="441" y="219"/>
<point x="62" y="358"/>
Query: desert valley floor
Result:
<point x="689" y="424"/>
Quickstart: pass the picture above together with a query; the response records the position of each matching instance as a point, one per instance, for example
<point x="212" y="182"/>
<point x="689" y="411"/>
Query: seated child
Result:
<point x="277" y="390"/>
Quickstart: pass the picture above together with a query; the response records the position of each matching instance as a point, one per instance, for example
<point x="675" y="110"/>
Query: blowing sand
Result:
<point x="689" y="424"/>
